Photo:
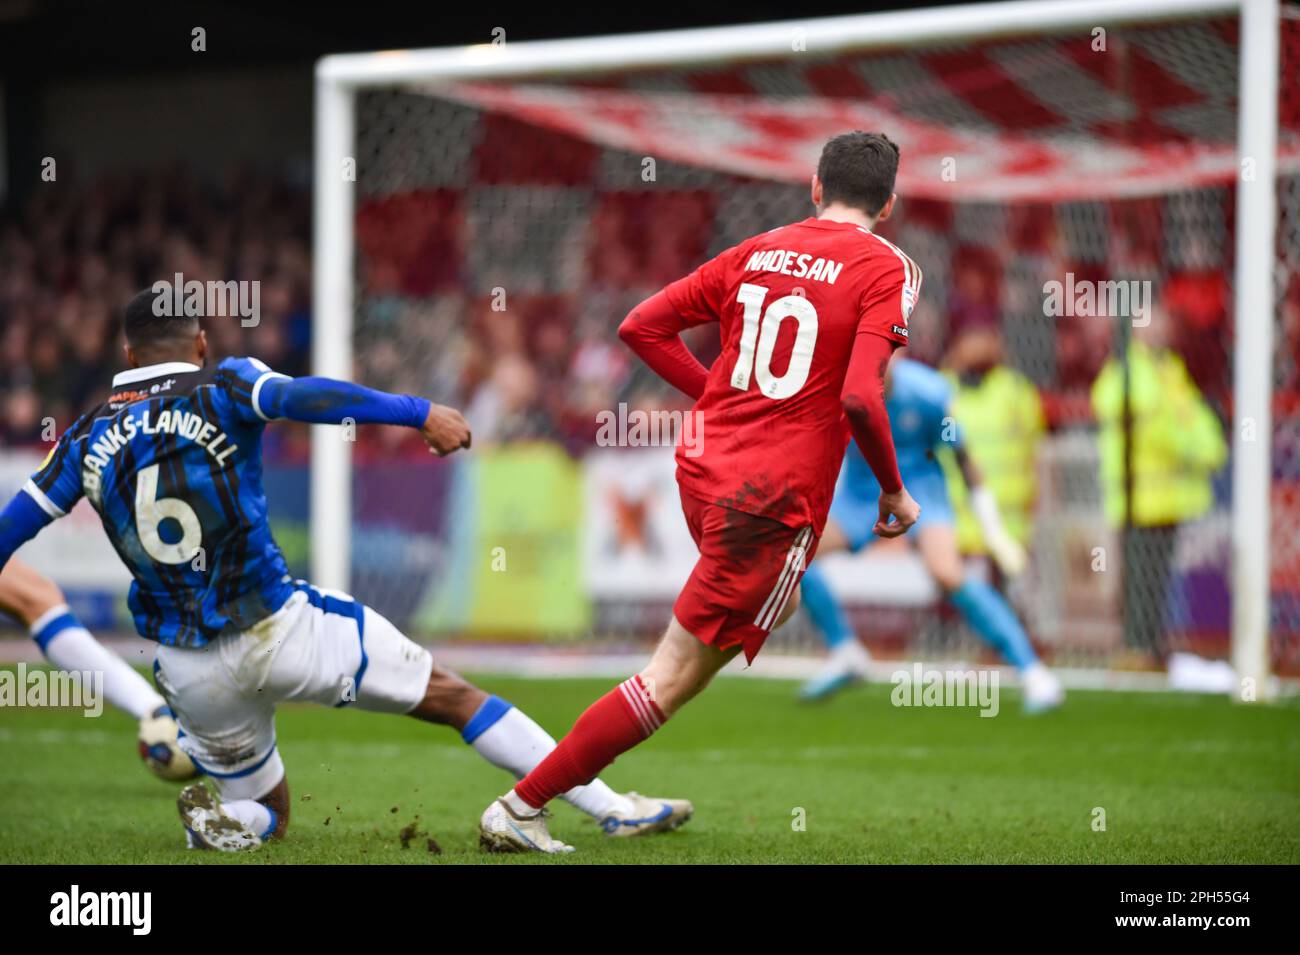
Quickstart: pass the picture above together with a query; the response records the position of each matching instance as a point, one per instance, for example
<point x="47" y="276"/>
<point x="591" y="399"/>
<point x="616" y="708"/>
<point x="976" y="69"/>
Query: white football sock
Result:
<point x="515" y="743"/>
<point x="598" y="800"/>
<point x="69" y="646"/>
<point x="516" y="805"/>
<point x="252" y="814"/>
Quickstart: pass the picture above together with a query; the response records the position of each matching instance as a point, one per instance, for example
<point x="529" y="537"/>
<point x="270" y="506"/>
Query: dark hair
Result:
<point x="858" y="169"/>
<point x="151" y="327"/>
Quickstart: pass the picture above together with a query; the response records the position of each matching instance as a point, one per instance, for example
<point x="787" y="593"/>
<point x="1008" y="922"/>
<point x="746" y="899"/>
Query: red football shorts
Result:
<point x="748" y="569"/>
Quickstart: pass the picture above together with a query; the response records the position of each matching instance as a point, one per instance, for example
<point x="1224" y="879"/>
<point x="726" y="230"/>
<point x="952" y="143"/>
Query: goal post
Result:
<point x="332" y="301"/>
<point x="1256" y="228"/>
<point x="341" y="79"/>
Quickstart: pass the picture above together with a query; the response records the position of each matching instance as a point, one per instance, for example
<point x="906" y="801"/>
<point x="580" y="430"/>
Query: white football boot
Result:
<point x="502" y="830"/>
<point x="208" y="826"/>
<point x="649" y="814"/>
<point x="1042" y="690"/>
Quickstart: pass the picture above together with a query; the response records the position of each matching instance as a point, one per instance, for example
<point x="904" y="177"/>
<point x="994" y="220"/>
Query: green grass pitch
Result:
<point x="1181" y="779"/>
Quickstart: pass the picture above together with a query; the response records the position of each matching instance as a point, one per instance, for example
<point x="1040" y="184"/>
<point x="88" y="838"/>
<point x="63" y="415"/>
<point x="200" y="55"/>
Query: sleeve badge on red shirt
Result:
<point x="909" y="302"/>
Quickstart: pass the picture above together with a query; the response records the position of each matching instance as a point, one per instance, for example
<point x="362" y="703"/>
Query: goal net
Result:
<point x="1071" y="194"/>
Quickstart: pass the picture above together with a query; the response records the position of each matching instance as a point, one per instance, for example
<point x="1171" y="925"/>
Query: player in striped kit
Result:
<point x="171" y="461"/>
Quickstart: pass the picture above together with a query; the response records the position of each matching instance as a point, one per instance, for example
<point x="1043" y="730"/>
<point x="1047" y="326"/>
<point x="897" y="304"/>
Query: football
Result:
<point x="157" y="741"/>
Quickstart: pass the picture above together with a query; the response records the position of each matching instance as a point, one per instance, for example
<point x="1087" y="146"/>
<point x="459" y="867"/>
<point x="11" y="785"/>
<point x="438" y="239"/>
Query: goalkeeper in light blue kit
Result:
<point x="917" y="398"/>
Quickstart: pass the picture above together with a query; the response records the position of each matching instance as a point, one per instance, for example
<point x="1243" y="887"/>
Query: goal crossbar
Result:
<point x="664" y="48"/>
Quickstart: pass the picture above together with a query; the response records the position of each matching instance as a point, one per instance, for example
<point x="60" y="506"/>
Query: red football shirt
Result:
<point x="791" y="303"/>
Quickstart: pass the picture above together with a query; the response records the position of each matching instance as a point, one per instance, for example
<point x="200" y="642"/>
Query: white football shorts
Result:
<point x="320" y="647"/>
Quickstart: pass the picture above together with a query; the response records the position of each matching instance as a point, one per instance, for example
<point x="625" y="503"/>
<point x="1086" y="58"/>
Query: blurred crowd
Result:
<point x="536" y="360"/>
<point x="71" y="256"/>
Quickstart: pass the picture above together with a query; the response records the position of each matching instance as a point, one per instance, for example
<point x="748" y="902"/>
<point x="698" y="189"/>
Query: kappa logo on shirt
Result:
<point x="135" y="394"/>
<point x="126" y="397"/>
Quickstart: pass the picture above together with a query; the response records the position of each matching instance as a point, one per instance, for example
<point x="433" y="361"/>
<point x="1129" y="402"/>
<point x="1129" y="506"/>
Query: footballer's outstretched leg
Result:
<point x="745" y="584"/>
<point x="324" y="647"/>
<point x="37" y="601"/>
<point x="682" y="666"/>
<point x="509" y="739"/>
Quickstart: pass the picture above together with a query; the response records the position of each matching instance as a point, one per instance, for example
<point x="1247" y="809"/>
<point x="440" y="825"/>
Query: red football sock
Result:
<point x="612" y="725"/>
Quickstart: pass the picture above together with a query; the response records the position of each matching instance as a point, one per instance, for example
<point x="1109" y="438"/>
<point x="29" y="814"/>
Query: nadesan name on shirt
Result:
<point x="184" y="424"/>
<point x="800" y="265"/>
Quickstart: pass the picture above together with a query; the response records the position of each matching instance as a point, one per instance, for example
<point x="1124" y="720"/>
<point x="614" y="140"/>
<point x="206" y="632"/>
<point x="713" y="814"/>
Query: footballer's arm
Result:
<point x="20" y="521"/>
<point x="314" y="400"/>
<point x="329" y="401"/>
<point x="863" y="400"/>
<point x="653" y="330"/>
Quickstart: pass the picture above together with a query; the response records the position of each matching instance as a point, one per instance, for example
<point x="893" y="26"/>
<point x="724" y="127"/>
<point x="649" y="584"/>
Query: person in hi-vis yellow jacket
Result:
<point x="1178" y="445"/>
<point x="1002" y="421"/>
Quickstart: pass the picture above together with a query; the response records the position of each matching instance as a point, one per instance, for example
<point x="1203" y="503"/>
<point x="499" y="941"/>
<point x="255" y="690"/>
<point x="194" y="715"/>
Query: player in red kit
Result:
<point x="809" y="315"/>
